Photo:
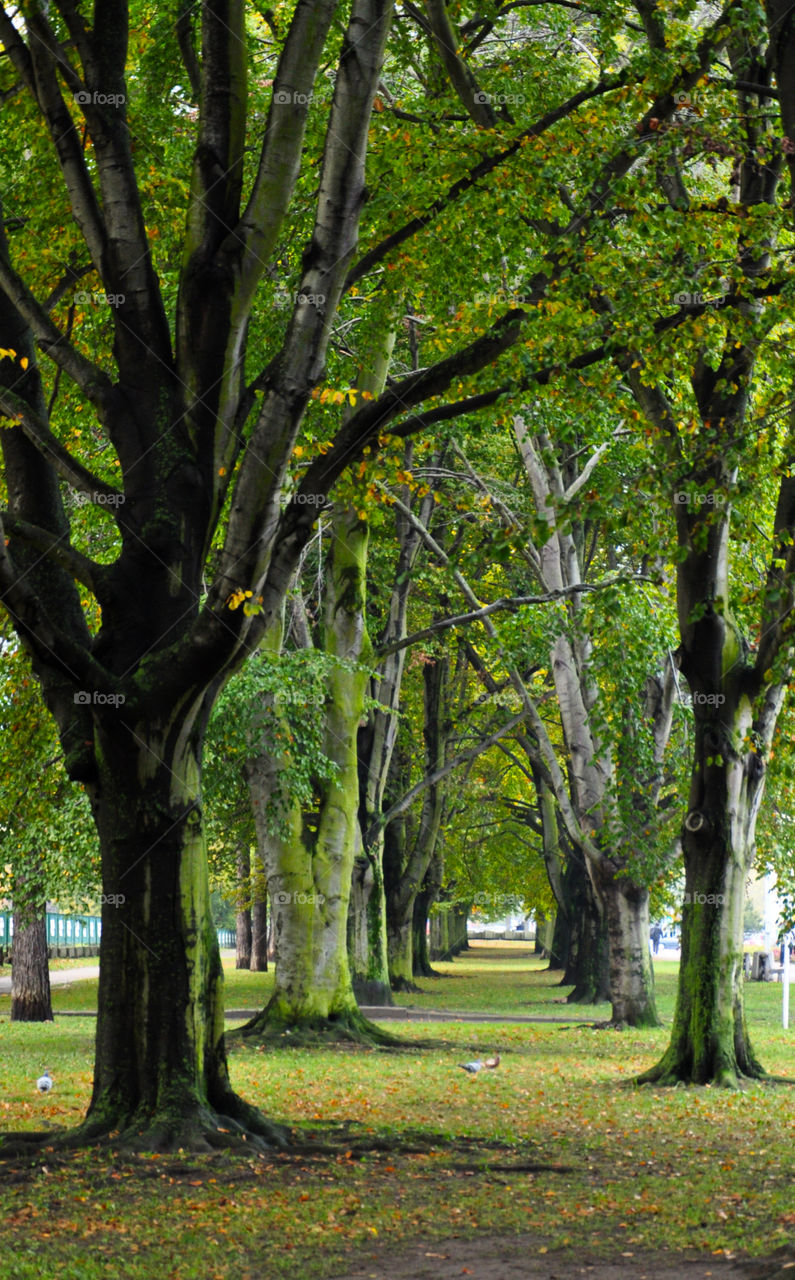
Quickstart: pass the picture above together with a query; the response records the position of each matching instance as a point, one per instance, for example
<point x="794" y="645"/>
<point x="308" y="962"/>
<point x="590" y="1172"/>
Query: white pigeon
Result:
<point x="44" y="1082"/>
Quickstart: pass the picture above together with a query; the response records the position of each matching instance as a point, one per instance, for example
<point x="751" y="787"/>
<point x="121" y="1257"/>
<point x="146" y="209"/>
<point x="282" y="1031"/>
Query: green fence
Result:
<point x="77" y="931"/>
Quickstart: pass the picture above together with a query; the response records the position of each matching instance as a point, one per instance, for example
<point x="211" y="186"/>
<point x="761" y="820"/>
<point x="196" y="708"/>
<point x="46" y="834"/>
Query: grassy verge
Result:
<point x="556" y="1142"/>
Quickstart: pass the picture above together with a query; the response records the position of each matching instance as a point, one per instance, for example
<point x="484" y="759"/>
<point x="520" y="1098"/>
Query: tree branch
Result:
<point x="37" y="431"/>
<point x="55" y="547"/>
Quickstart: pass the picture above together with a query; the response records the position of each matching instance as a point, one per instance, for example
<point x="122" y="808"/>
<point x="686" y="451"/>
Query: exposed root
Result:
<point x="405" y="985"/>
<point x="203" y="1130"/>
<point x="666" y="1076"/>
<point x="351" y="1027"/>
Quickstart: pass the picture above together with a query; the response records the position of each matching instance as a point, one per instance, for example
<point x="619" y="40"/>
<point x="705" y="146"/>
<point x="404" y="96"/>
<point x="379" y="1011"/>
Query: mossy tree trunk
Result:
<point x="410" y="848"/>
<point x="367" y="944"/>
<point x="369" y="951"/>
<point x="736" y="695"/>
<point x="160" y="1076"/>
<point x="309" y="858"/>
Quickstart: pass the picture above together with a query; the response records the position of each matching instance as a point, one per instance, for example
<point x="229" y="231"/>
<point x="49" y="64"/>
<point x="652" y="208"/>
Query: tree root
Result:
<point x="664" y="1076"/>
<point x="202" y="1130"/>
<point x="405" y="985"/>
<point x="350" y="1027"/>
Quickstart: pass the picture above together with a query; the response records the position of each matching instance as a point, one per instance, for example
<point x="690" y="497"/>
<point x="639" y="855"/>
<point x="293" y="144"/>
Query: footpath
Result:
<point x="375" y="1012"/>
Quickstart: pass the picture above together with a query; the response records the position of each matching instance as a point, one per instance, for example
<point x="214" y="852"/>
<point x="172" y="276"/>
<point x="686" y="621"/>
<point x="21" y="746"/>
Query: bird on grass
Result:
<point x="478" y="1065"/>
<point x="44" y="1082"/>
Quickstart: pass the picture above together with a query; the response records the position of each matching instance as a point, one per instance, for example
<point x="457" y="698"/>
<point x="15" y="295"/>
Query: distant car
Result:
<point x="670" y="941"/>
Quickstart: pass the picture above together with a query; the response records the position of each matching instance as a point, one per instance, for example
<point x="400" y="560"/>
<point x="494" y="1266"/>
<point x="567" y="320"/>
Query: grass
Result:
<point x="416" y="1148"/>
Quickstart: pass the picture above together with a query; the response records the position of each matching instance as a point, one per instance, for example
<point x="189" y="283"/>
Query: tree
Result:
<point x="30" y="974"/>
<point x="189" y="456"/>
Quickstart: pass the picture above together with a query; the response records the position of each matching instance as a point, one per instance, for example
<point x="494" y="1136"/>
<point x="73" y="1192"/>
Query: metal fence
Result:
<point x="75" y="935"/>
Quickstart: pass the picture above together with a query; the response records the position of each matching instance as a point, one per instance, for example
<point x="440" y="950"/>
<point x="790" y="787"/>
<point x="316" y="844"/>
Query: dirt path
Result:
<point x="518" y="1258"/>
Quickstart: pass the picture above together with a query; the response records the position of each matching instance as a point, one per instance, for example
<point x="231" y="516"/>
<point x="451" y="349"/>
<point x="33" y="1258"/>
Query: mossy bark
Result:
<point x="367" y="942"/>
<point x="160" y="1074"/>
<point x="709" y="1038"/>
<point x="309" y="860"/>
<point x="410" y="847"/>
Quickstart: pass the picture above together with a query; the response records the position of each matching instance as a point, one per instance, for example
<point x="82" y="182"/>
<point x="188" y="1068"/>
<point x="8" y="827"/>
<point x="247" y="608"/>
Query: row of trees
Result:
<point x="244" y="256"/>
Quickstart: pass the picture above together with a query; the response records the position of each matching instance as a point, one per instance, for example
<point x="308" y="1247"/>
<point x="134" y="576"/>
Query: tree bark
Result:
<point x="243" y="917"/>
<point x="407" y="857"/>
<point x="30" y="972"/>
<point x="631" y="975"/>
<point x="309" y="859"/>
<point x="160" y="1077"/>
<point x="587" y="965"/>
<point x="426" y="897"/>
<point x="259" y="922"/>
<point x="369" y="951"/>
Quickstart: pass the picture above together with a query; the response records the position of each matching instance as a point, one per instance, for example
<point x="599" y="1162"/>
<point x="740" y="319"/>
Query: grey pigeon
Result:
<point x="44" y="1083"/>
<point x="474" y="1067"/>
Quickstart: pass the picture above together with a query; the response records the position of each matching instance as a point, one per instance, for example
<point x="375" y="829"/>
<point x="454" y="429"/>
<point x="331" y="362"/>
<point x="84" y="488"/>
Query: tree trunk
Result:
<point x="309" y="859"/>
<point x="709" y="1038"/>
<point x="425" y="899"/>
<point x="460" y="940"/>
<point x="542" y="926"/>
<point x="367" y="943"/>
<point x="368" y="947"/>
<point x="243" y="917"/>
<point x="160" y="1076"/>
<point x="259" y="921"/>
<point x="562" y="943"/>
<point x="408" y="855"/>
<point x="588" y="965"/>
<point x="400" y="892"/>
<point x="421" y="960"/>
<point x="631" y="974"/>
<point x="30" y="973"/>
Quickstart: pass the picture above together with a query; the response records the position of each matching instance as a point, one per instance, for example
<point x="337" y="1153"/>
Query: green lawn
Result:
<point x="419" y="1150"/>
